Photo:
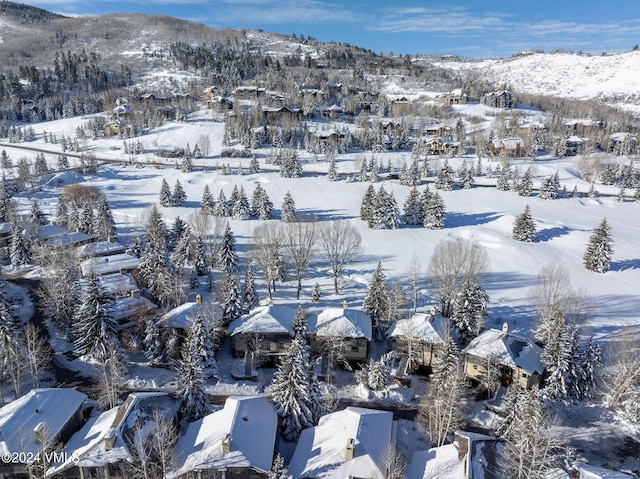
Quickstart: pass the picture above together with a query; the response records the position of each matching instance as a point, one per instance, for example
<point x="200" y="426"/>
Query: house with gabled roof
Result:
<point x="454" y="97"/>
<point x="348" y="443"/>
<point x="35" y="423"/>
<point x="509" y="147"/>
<point x="268" y="329"/>
<point x="110" y="439"/>
<point x="350" y="327"/>
<point x="419" y="339"/>
<point x="237" y="441"/>
<point x="115" y="263"/>
<point x="518" y="360"/>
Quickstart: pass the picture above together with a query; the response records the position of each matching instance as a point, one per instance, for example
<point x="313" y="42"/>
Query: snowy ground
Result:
<point x="482" y="214"/>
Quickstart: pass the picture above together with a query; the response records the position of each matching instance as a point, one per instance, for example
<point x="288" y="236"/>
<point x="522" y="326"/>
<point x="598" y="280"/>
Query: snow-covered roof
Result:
<point x="68" y="239"/>
<point x="437" y="462"/>
<point x="124" y="308"/>
<point x="340" y="322"/>
<point x="575" y="139"/>
<point x="622" y="136"/>
<point x="588" y="471"/>
<point x="272" y="319"/>
<point x="100" y="248"/>
<point x="48" y="231"/>
<point x="510" y="144"/>
<point x="507" y="349"/>
<point x="248" y="424"/>
<point x="109" y="264"/>
<point x="102" y="440"/>
<point x="421" y="326"/>
<point x="50" y="409"/>
<point x="181" y="316"/>
<point x="115" y="284"/>
<point x="321" y="450"/>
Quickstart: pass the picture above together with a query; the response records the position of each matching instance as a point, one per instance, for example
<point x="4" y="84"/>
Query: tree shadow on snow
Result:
<point x="466" y="219"/>
<point x="625" y="264"/>
<point x="551" y="233"/>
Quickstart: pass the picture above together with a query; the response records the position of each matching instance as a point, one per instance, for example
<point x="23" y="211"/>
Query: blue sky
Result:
<point x="479" y="28"/>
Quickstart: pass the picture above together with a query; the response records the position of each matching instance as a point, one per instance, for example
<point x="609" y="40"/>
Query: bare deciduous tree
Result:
<point x="265" y="251"/>
<point x="342" y="244"/>
<point x="622" y="368"/>
<point x="36" y="353"/>
<point x="453" y="262"/>
<point x="299" y="241"/>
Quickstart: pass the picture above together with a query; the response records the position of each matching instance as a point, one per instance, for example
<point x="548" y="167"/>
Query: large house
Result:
<point x="350" y="328"/>
<point x="109" y="443"/>
<point x="508" y="147"/>
<point x="34" y="424"/>
<point x="513" y="359"/>
<point x="235" y="442"/>
<point x="418" y="339"/>
<point x="348" y="443"/>
<point x="266" y="329"/>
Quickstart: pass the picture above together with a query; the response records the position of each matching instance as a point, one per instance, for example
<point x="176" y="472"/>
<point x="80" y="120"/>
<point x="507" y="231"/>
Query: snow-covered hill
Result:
<point x="611" y="78"/>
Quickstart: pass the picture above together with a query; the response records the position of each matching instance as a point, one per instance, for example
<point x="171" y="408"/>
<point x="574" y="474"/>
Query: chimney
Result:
<point x="349" y="451"/>
<point x="345" y="304"/>
<point x="110" y="439"/>
<point x="135" y="293"/>
<point x="226" y="444"/>
<point x="433" y="311"/>
<point x="198" y="299"/>
<point x="40" y="432"/>
<point x="505" y="327"/>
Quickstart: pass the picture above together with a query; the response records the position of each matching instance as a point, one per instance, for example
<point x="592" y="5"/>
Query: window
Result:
<point x="475" y="366"/>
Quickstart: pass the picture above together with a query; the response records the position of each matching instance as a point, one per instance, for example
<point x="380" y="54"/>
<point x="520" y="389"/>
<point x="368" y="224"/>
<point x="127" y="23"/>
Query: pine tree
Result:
<point x="190" y="385"/>
<point x="35" y="215"/>
<point x="250" y="296"/>
<point x="375" y="301"/>
<point x="5" y="160"/>
<point x="525" y="186"/>
<point x="469" y="309"/>
<point x="85" y="224"/>
<point x="332" y="172"/>
<point x="467" y="180"/>
<point x="597" y="257"/>
<point x="288" y="211"/>
<point x="151" y="341"/>
<point x="295" y="390"/>
<point x="241" y="209"/>
<point x="95" y="329"/>
<point x="444" y="180"/>
<point x="197" y="152"/>
<point x="378" y="375"/>
<point x="413" y="212"/>
<point x="550" y="187"/>
<point x="254" y="166"/>
<point x="19" y="252"/>
<point x="425" y="199"/>
<point x="434" y="217"/>
<point x="208" y="204"/>
<point x="524" y="227"/>
<point x="278" y="469"/>
<point x="166" y="198"/>
<point x="232" y="302"/>
<point x="154" y="267"/>
<point x="227" y="256"/>
<point x="201" y="266"/>
<point x="315" y="294"/>
<point x="367" y="206"/>
<point x="222" y="207"/>
<point x="186" y="165"/>
<point x="504" y="180"/>
<point x="179" y="196"/>
<point x="201" y="347"/>
<point x="104" y="226"/>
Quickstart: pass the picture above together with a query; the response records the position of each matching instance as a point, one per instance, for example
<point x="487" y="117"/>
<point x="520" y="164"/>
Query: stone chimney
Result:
<point x="198" y="299"/>
<point x="505" y="327"/>
<point x="350" y="449"/>
<point x="345" y="304"/>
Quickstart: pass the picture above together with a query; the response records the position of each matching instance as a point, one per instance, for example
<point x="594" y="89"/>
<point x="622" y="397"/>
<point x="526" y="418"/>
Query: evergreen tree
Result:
<point x="504" y="180"/>
<point x="597" y="257"/>
<point x="375" y="301"/>
<point x="222" y="207"/>
<point x="35" y="215"/>
<point x="95" y="329"/>
<point x="227" y="256"/>
<point x="232" y="301"/>
<point x="178" y="228"/>
<point x="444" y="181"/>
<point x="241" y="209"/>
<point x="256" y="199"/>
<point x="197" y="152"/>
<point x="186" y="165"/>
<point x="151" y="341"/>
<point x="166" y="198"/>
<point x="550" y="187"/>
<point x="295" y="390"/>
<point x="469" y="309"/>
<point x="19" y="252"/>
<point x="86" y="220"/>
<point x="434" y="216"/>
<point x="524" y="227"/>
<point x="315" y="294"/>
<point x="254" y="166"/>
<point x="467" y="181"/>
<point x="367" y="206"/>
<point x="190" y="385"/>
<point x="332" y="172"/>
<point x="288" y="211"/>
<point x="201" y="266"/>
<point x="104" y="226"/>
<point x="425" y="199"/>
<point x="378" y="375"/>
<point x="5" y="160"/>
<point x="155" y="269"/>
<point x="525" y="186"/>
<point x="201" y="347"/>
<point x="413" y="212"/>
<point x="208" y="204"/>
<point x="250" y="296"/>
<point x="179" y="196"/>
<point x="278" y="469"/>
